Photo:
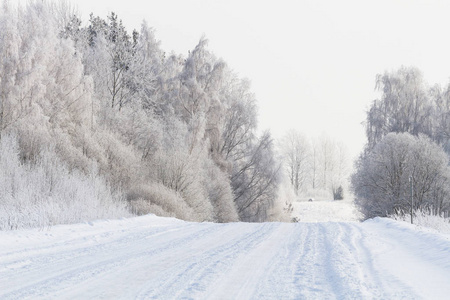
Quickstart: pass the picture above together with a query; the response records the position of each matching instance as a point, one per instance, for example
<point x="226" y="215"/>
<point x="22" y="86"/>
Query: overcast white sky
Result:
<point x="312" y="64"/>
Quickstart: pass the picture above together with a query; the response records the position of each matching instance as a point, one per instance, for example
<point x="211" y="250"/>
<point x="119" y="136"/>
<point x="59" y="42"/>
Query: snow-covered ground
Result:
<point x="159" y="258"/>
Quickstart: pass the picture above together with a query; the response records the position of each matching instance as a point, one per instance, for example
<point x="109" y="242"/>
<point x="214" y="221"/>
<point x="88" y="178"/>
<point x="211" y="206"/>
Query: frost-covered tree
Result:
<point x="314" y="163"/>
<point x="63" y="12"/>
<point x="255" y="180"/>
<point x="199" y="84"/>
<point x="382" y="179"/>
<point x="341" y="171"/>
<point x="113" y="51"/>
<point x="441" y="116"/>
<point x="404" y="106"/>
<point x="145" y="68"/>
<point x="327" y="161"/>
<point x="237" y="122"/>
<point x="329" y="165"/>
<point x="10" y="45"/>
<point x="295" y="153"/>
<point x="44" y="91"/>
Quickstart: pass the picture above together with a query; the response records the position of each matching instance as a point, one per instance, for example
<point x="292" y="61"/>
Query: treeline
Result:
<point x="405" y="164"/>
<point x="165" y="134"/>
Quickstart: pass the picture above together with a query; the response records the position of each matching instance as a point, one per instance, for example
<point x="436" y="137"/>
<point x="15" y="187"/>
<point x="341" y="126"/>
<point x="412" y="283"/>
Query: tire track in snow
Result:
<point x="191" y="279"/>
<point x="347" y="266"/>
<point x="312" y="281"/>
<point x="282" y="277"/>
<point x="242" y="279"/>
<point x="425" y="257"/>
<point x="344" y="269"/>
<point x="168" y="272"/>
<point x="61" y="251"/>
<point x="304" y="232"/>
<point x="372" y="282"/>
<point x="363" y="277"/>
<point x="52" y="276"/>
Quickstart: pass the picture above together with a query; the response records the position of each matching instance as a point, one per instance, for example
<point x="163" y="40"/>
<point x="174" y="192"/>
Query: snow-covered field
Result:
<point x="159" y="258"/>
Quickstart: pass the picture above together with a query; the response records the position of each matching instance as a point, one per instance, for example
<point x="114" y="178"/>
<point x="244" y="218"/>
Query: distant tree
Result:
<point x="314" y="164"/>
<point x="295" y="153"/>
<point x="330" y="164"/>
<point x="327" y="161"/>
<point x="341" y="171"/>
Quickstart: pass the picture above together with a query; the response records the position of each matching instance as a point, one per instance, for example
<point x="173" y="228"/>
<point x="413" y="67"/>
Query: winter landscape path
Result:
<point x="159" y="258"/>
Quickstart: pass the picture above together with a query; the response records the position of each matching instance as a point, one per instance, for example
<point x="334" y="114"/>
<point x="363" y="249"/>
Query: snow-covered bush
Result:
<point x="425" y="218"/>
<point x="45" y="192"/>
<point x="181" y="172"/>
<point x="282" y="209"/>
<point x="141" y="207"/>
<point x="219" y="193"/>
<point x="338" y="194"/>
<point x="382" y="182"/>
<point x="145" y="198"/>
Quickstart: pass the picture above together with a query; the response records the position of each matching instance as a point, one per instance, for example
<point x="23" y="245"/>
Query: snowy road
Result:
<point x="156" y="258"/>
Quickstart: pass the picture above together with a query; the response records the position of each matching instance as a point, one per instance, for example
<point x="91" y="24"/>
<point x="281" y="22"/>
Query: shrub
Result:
<point x="382" y="182"/>
<point x="160" y="200"/>
<point x="45" y="192"/>
<point x="425" y="218"/>
<point x="338" y="194"/>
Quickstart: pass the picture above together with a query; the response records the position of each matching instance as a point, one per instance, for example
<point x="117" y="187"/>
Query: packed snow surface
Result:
<point x="159" y="258"/>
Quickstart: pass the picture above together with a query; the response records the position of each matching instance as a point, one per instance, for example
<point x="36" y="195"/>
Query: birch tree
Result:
<point x="404" y="106"/>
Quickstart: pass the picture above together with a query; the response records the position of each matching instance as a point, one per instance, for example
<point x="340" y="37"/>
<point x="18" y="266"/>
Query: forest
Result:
<point x="99" y="122"/>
